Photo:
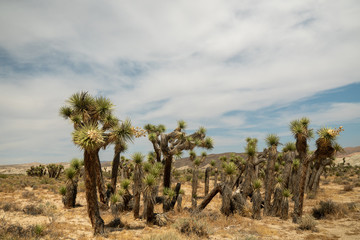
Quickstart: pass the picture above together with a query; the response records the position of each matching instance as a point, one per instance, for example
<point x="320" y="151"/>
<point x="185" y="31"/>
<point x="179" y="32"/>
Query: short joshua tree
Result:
<point x="256" y="200"/>
<point x="72" y="175"/>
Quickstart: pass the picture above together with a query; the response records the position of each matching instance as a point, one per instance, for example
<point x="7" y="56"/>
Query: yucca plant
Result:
<point x="138" y="172"/>
<point x="284" y="212"/>
<point x="178" y="141"/>
<point x="272" y="140"/>
<point x="256" y="200"/>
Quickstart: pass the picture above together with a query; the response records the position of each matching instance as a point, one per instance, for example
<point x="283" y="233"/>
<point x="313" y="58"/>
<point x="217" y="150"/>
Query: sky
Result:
<point x="239" y="68"/>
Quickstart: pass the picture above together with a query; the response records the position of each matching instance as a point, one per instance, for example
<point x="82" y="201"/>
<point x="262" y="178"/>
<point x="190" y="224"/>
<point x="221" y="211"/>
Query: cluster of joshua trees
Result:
<point x="243" y="179"/>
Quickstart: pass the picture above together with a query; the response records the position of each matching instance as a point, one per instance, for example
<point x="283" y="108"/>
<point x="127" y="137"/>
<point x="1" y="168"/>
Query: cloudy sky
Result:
<point x="239" y="68"/>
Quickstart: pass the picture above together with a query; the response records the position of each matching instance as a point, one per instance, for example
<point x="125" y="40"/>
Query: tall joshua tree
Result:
<point x="138" y="158"/>
<point x="256" y="200"/>
<point x="288" y="156"/>
<point x="92" y="120"/>
<point x="166" y="145"/>
<point x="324" y="149"/>
<point x="250" y="167"/>
<point x="196" y="163"/>
<point x="302" y="133"/>
<point x="122" y="132"/>
<point x="272" y="140"/>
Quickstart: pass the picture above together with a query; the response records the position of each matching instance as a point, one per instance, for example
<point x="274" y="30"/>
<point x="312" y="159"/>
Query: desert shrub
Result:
<point x="164" y="236"/>
<point x="192" y="226"/>
<point x="330" y="208"/>
<point x="33" y="209"/>
<point x="307" y="222"/>
<point x="15" y="231"/>
<point x="38" y="230"/>
<point x="37" y="171"/>
<point x="3" y="175"/>
<point x="348" y="187"/>
<point x="27" y="194"/>
<point x="9" y="206"/>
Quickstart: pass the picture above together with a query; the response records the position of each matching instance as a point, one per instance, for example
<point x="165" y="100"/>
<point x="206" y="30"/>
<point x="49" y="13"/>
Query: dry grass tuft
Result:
<point x="307" y="222"/>
<point x="348" y="188"/>
<point x="192" y="226"/>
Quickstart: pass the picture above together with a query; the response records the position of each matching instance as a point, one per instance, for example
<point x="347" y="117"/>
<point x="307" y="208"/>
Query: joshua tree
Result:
<point x="207" y="179"/>
<point x="256" y="200"/>
<point x="285" y="205"/>
<point x="300" y="130"/>
<point x="278" y="196"/>
<point x="149" y="198"/>
<point x="72" y="175"/>
<point x="173" y="143"/>
<point x="272" y="140"/>
<point x="250" y="166"/>
<point x="215" y="169"/>
<point x="196" y="163"/>
<point x="54" y="170"/>
<point x="151" y="179"/>
<point x="138" y="158"/>
<point x="226" y="192"/>
<point x="288" y="157"/>
<point x="123" y="132"/>
<point x="93" y="120"/>
<point x="324" y="149"/>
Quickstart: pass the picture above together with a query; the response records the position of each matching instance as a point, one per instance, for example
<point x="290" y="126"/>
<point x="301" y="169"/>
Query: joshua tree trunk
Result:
<point x="276" y="207"/>
<point x="97" y="223"/>
<point x="167" y="171"/>
<point x="288" y="157"/>
<point x="269" y="179"/>
<point x="149" y="202"/>
<point x="100" y="180"/>
<point x="207" y="179"/>
<point x="208" y="199"/>
<point x="194" y="188"/>
<point x="299" y="198"/>
<point x="216" y="177"/>
<point x="226" y="193"/>
<point x="137" y="190"/>
<point x="256" y="200"/>
<point x="170" y="203"/>
<point x="239" y="202"/>
<point x="179" y="203"/>
<point x="69" y="199"/>
<point x="285" y="208"/>
<point x="114" y="171"/>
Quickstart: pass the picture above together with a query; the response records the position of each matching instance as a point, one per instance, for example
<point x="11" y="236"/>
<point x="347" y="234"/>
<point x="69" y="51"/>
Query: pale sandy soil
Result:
<point x="74" y="224"/>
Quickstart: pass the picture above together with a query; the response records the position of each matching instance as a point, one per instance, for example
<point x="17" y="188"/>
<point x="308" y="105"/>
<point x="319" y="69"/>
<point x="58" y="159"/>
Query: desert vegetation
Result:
<point x="233" y="196"/>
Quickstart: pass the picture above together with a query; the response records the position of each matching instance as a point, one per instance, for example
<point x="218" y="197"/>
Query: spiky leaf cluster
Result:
<point x="289" y="147"/>
<point x="301" y="127"/>
<point x="272" y="140"/>
<point x="257" y="184"/>
<point x="138" y="157"/>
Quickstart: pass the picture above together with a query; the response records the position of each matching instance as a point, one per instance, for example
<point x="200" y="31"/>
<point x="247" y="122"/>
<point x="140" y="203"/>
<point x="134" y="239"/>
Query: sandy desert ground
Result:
<point x="21" y="194"/>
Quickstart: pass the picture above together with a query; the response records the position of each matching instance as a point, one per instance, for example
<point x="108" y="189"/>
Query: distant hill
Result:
<point x="351" y="154"/>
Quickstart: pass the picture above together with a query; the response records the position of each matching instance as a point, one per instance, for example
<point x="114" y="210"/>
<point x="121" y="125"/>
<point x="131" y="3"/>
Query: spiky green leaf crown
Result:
<point x="289" y="146"/>
<point x="301" y="127"/>
<point x="88" y="137"/>
<point x="138" y="157"/>
<point x="230" y="168"/>
<point x="272" y="140"/>
<point x="257" y="184"/>
<point x="181" y="124"/>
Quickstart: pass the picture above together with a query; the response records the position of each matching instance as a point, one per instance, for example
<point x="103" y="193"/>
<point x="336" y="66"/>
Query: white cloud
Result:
<point x="162" y="61"/>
